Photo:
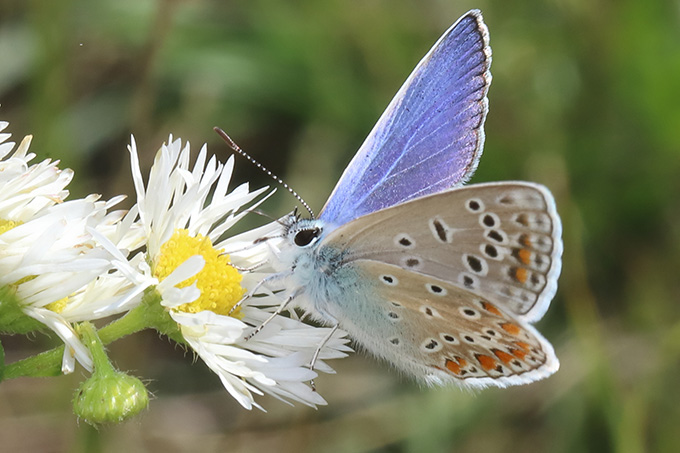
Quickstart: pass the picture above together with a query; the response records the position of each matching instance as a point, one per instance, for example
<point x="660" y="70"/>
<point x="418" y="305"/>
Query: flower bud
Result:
<point x="110" y="397"/>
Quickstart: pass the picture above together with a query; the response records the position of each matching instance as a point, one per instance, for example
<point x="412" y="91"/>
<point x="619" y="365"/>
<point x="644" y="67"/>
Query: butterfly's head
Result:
<point x="303" y="233"/>
<point x="301" y="240"/>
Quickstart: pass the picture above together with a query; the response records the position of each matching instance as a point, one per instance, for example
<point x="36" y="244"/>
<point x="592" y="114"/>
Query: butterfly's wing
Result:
<point x="500" y="241"/>
<point x="431" y="135"/>
<point x="440" y="333"/>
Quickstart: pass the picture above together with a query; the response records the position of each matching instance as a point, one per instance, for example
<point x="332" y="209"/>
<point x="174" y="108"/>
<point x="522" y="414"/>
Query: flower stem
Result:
<point x="47" y="363"/>
<point x="88" y="335"/>
<point x="133" y="321"/>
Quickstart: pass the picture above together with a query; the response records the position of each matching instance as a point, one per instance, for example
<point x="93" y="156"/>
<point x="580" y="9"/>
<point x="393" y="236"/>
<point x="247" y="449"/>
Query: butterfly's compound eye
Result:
<point x="305" y="237"/>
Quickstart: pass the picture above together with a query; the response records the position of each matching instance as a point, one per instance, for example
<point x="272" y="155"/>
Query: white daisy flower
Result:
<point x="184" y="212"/>
<point x="47" y="255"/>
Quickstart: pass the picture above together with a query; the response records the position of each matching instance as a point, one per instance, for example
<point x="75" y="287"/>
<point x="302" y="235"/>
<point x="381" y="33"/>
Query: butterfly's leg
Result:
<point x="263" y="282"/>
<point x="321" y="345"/>
<point x="247" y="269"/>
<point x="318" y="351"/>
<point x="278" y="311"/>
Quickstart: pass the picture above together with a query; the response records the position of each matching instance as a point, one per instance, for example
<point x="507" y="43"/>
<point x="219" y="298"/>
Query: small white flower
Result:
<point x="48" y="257"/>
<point x="199" y="285"/>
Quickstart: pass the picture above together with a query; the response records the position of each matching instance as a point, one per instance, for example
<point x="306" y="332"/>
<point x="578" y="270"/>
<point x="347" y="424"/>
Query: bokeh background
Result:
<point x="585" y="99"/>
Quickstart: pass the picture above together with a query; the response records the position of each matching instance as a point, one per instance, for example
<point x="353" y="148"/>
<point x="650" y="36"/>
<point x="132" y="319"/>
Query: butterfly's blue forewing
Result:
<point x="431" y="135"/>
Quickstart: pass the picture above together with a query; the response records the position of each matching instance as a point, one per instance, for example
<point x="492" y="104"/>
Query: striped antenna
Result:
<point x="238" y="150"/>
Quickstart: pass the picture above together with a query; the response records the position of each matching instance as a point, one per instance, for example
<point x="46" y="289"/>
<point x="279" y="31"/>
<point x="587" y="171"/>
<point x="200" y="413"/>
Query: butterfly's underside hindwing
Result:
<point x="455" y="278"/>
<point x="501" y="241"/>
<point x="431" y="135"/>
<point x="436" y="331"/>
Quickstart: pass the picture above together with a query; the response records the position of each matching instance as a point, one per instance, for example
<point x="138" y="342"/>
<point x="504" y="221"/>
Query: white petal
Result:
<point x="64" y="331"/>
<point x="192" y="266"/>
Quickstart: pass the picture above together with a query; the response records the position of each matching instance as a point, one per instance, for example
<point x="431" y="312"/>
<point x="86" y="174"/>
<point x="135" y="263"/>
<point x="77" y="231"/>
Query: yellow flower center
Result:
<point x="58" y="305"/>
<point x="6" y="225"/>
<point x="218" y="281"/>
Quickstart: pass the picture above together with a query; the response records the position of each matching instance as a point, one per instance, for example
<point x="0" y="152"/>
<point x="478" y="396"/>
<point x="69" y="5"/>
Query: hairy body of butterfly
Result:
<point x="440" y="280"/>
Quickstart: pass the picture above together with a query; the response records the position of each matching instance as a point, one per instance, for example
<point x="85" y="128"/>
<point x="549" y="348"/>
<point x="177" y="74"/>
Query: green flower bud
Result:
<point x="110" y="397"/>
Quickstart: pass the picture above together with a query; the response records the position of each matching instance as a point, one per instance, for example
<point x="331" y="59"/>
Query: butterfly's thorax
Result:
<point x="320" y="273"/>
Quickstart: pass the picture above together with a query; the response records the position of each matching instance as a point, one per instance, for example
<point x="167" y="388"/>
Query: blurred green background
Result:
<point x="585" y="99"/>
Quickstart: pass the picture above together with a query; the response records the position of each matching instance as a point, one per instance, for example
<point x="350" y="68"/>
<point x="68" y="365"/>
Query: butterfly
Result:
<point x="439" y="279"/>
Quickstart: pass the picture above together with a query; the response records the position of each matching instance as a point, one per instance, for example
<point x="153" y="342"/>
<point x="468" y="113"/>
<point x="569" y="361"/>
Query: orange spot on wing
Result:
<point x="512" y="329"/>
<point x="525" y="256"/>
<point x="461" y="361"/>
<point x="452" y="366"/>
<point x="503" y="356"/>
<point x="487" y="362"/>
<point x="523" y="345"/>
<point x="521" y="274"/>
<point x="491" y="308"/>
<point x="518" y="353"/>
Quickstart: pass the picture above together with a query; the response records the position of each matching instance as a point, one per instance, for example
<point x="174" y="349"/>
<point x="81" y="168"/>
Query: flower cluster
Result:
<point x="167" y="264"/>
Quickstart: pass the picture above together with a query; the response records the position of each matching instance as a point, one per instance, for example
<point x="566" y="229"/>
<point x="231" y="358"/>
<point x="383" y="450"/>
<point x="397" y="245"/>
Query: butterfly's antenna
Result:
<point x="238" y="150"/>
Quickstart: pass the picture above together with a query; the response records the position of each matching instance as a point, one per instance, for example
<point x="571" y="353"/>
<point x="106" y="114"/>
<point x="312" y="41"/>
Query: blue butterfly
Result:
<point x="440" y="280"/>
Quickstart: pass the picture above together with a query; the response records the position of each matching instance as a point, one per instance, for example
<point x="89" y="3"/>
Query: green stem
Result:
<point x="47" y="363"/>
<point x="133" y="321"/>
<point x="88" y="335"/>
<point x="148" y="314"/>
